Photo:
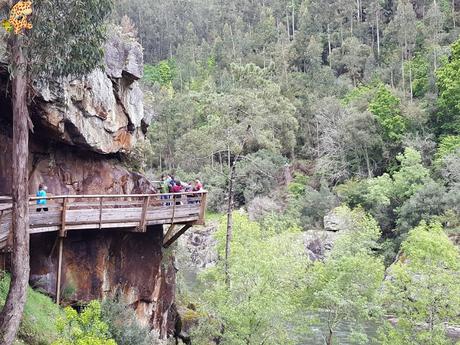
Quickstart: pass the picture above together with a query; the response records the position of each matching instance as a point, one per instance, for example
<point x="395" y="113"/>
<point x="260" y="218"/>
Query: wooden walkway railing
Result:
<point x="104" y="212"/>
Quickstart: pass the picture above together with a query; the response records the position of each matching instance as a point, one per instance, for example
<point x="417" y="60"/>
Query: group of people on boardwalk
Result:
<point x="170" y="185"/>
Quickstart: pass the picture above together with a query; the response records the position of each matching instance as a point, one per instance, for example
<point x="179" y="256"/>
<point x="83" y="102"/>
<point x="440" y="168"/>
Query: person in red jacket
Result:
<point x="198" y="186"/>
<point x="177" y="188"/>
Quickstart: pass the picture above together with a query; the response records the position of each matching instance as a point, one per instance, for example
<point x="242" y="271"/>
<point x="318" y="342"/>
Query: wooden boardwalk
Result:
<point x="131" y="213"/>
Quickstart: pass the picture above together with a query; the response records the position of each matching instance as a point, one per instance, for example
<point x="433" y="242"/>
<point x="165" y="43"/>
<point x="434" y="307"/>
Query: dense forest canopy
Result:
<point x="336" y="89"/>
<point x="299" y="107"/>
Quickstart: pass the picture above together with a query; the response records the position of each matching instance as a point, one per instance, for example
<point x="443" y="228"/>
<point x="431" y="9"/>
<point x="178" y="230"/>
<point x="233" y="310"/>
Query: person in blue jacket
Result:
<point x="41" y="203"/>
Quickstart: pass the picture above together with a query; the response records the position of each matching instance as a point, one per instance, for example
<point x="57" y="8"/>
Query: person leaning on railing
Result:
<point x="41" y="203"/>
<point x="197" y="187"/>
<point x="176" y="189"/>
<point x="164" y="188"/>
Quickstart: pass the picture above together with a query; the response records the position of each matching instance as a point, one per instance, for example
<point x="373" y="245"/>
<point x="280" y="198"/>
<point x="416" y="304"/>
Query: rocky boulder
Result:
<point x="102" y="111"/>
<point x="198" y="247"/>
<point x="335" y="221"/>
<point x="123" y="57"/>
<point x="317" y="243"/>
<point x="261" y="207"/>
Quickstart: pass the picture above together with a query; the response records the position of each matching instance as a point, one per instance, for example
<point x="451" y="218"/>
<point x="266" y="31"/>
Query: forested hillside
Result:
<point x="300" y="107"/>
<point x="342" y="91"/>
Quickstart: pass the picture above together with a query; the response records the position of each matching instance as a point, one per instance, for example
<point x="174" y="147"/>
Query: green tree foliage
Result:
<point x="257" y="174"/>
<point x="124" y="326"/>
<point x="386" y="107"/>
<point x="346" y="141"/>
<point x="67" y="38"/>
<point x="264" y="268"/>
<point x="423" y="289"/>
<point x="345" y="287"/>
<point x="448" y="145"/>
<point x="387" y="193"/>
<point x="86" y="328"/>
<point x="449" y="89"/>
<point x="314" y="205"/>
<point x="162" y="73"/>
<point x="354" y="95"/>
<point x="298" y="185"/>
<point x="450" y="168"/>
<point x="36" y="327"/>
<point x="426" y="204"/>
<point x="419" y="66"/>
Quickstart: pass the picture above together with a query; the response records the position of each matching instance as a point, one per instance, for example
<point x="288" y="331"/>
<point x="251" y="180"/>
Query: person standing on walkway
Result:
<point x="41" y="203"/>
<point x="165" y="186"/>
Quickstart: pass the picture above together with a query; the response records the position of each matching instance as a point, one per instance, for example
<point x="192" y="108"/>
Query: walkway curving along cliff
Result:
<point x="130" y="213"/>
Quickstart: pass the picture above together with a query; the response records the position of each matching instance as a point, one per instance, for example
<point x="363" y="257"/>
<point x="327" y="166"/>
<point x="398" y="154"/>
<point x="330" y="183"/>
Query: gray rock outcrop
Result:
<point x="334" y="221"/>
<point x="102" y="111"/>
<point x="317" y="243"/>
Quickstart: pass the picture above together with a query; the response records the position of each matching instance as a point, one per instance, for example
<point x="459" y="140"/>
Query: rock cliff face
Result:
<point x="101" y="112"/>
<point x="80" y="127"/>
<point x="130" y="267"/>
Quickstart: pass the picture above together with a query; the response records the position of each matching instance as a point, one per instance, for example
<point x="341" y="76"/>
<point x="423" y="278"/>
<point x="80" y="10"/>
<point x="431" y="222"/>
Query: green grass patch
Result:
<point x="213" y="216"/>
<point x="38" y="326"/>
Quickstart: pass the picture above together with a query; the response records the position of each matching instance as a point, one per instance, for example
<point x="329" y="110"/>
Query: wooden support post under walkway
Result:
<point x="62" y="235"/>
<point x="167" y="242"/>
<point x="59" y="270"/>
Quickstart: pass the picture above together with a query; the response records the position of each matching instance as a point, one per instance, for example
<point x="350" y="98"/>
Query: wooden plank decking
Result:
<point x="132" y="213"/>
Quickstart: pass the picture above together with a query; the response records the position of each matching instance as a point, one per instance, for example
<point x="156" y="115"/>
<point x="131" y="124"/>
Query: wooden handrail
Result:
<point x="107" y="196"/>
<point x="68" y="212"/>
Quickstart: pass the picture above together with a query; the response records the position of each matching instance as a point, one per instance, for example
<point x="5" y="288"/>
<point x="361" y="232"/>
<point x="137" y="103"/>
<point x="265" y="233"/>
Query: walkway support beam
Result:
<point x="59" y="270"/>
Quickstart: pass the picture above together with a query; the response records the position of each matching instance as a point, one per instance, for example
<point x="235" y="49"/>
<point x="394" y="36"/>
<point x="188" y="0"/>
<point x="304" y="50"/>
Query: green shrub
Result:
<point x="315" y="204"/>
<point x="353" y="192"/>
<point x="123" y="325"/>
<point x="86" y="328"/>
<point x="448" y="145"/>
<point x="425" y="204"/>
<point x="297" y="187"/>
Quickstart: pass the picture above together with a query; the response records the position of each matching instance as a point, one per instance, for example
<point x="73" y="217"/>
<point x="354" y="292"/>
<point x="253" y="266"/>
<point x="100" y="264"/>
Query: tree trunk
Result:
<point x="329" y="45"/>
<point x="329" y="337"/>
<point x="403" y="72"/>
<point x="287" y="23"/>
<point x="453" y="13"/>
<point x="11" y="315"/>
<point x="358" y="10"/>
<point x="378" y="34"/>
<point x="351" y="24"/>
<point x="410" y="84"/>
<point x="435" y="60"/>
<point x="228" y="239"/>
<point x="368" y="163"/>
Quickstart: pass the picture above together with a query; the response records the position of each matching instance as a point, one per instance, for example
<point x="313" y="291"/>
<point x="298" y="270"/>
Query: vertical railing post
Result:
<point x="203" y="207"/>
<point x="100" y="213"/>
<point x="62" y="232"/>
<point x="174" y="209"/>
<point x="143" y="220"/>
